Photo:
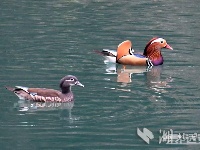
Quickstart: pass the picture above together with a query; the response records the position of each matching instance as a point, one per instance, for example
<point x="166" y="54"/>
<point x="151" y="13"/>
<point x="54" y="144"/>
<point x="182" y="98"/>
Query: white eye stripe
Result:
<point x="72" y="79"/>
<point x="157" y="40"/>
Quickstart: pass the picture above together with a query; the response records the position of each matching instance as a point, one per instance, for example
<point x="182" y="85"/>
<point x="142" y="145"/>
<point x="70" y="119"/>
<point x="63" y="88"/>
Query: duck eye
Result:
<point x="72" y="79"/>
<point x="161" y="41"/>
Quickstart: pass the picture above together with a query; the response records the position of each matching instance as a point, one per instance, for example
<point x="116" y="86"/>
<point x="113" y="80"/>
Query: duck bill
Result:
<point x="79" y="84"/>
<point x="168" y="47"/>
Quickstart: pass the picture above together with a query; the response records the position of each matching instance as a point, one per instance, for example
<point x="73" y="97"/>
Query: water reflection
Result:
<point x="124" y="72"/>
<point x="152" y="75"/>
<point x="30" y="106"/>
<point x="153" y="78"/>
<point x="158" y="86"/>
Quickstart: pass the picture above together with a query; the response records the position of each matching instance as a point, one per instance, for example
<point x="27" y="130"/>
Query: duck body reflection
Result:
<point x="64" y="110"/>
<point x="151" y="74"/>
<point x="24" y="105"/>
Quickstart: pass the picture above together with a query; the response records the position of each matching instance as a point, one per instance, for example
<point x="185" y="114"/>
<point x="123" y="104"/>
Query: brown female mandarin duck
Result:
<point x="48" y="95"/>
<point x="125" y="54"/>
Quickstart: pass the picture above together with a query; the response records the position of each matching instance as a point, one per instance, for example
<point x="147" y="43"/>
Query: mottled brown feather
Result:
<point x="45" y="92"/>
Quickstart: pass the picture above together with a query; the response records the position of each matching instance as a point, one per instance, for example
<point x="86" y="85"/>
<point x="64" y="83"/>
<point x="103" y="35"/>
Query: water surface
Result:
<point x="42" y="41"/>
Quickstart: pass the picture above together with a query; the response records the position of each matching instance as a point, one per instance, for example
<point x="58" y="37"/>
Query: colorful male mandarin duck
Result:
<point x="125" y="54"/>
<point x="48" y="95"/>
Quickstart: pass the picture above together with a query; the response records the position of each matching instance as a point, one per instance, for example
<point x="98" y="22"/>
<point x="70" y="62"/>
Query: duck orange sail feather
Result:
<point x="125" y="55"/>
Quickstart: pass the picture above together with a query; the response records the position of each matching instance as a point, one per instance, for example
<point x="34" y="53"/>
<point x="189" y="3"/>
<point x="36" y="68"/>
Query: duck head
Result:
<point x="156" y="44"/>
<point x="153" y="50"/>
<point x="68" y="81"/>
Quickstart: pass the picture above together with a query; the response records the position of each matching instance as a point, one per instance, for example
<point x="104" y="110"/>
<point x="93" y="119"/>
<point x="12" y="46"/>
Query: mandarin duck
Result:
<point x="48" y="95"/>
<point x="125" y="53"/>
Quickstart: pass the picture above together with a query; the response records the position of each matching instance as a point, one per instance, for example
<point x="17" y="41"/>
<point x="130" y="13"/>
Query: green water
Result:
<point x="42" y="41"/>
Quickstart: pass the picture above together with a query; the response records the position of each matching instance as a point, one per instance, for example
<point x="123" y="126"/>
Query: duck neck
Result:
<point x="66" y="90"/>
<point x="154" y="54"/>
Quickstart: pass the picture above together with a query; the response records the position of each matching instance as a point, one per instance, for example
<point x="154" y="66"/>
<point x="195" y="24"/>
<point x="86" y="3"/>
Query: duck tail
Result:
<point x="9" y="88"/>
<point x="98" y="52"/>
<point x="106" y="52"/>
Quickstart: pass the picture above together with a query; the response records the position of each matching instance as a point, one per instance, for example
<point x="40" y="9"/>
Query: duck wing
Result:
<point x="36" y="94"/>
<point x="44" y="92"/>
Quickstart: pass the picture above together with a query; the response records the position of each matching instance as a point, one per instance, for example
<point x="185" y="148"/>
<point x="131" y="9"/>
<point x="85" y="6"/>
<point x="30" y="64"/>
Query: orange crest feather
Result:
<point x="123" y="49"/>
